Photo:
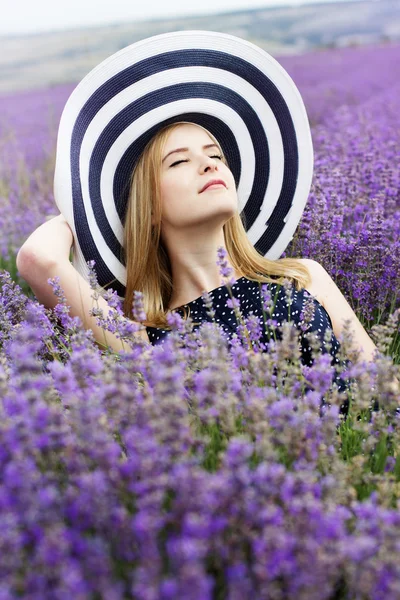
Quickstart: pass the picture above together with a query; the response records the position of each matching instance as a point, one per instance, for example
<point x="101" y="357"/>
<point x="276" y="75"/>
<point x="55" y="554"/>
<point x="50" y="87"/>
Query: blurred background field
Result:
<point x="55" y="52"/>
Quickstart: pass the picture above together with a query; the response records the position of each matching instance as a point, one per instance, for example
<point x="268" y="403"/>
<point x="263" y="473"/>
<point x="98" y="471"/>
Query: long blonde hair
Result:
<point x="148" y="268"/>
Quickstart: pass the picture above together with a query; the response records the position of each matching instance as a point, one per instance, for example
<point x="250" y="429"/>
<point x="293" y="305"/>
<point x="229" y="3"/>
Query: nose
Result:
<point x="209" y="163"/>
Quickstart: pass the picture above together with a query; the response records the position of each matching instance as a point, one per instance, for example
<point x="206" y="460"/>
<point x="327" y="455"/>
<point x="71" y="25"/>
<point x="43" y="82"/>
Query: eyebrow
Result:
<point x="187" y="149"/>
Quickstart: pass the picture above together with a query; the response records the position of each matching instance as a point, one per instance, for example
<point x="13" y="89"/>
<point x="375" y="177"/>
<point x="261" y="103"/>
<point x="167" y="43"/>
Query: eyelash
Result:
<point x="179" y="161"/>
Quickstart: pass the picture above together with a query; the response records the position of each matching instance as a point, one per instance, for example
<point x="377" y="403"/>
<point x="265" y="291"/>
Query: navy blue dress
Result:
<point x="248" y="292"/>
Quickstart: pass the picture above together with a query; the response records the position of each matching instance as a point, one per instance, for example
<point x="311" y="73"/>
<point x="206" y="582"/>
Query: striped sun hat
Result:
<point x="228" y="85"/>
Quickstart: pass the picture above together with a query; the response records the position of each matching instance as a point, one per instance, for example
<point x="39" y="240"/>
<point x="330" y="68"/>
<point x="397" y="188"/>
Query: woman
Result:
<point x="172" y="220"/>
<point x="189" y="223"/>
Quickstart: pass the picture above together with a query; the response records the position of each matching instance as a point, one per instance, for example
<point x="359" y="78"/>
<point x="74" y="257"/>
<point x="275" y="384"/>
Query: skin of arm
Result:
<point x="44" y="255"/>
<point x="340" y="310"/>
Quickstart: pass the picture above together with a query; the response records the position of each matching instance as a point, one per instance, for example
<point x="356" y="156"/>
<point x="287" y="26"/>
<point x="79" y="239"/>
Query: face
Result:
<point x="190" y="160"/>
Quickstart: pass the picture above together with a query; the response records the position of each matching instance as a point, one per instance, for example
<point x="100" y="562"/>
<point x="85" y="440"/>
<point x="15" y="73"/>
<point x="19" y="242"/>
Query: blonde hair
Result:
<point x="148" y="268"/>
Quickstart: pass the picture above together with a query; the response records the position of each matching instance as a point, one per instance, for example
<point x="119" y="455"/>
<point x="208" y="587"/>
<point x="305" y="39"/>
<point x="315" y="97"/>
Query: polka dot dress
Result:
<point x="248" y="293"/>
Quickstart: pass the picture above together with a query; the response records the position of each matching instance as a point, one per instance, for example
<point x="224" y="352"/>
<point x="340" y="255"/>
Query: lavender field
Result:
<point x="199" y="469"/>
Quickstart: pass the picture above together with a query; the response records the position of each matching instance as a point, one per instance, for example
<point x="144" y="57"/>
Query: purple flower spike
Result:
<point x="225" y="270"/>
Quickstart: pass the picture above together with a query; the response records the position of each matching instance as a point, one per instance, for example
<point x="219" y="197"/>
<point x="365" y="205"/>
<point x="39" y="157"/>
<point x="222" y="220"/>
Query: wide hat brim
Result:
<point x="228" y="85"/>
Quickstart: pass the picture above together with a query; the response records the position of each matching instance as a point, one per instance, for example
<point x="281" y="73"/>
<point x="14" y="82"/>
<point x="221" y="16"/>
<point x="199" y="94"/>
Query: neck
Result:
<point x="194" y="265"/>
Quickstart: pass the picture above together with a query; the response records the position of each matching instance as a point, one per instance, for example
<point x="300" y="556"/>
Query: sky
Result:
<point x="35" y="16"/>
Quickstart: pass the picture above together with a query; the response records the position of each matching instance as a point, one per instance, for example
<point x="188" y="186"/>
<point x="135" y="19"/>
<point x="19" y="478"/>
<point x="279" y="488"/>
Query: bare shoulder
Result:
<point x="336" y="305"/>
<point x="316" y="287"/>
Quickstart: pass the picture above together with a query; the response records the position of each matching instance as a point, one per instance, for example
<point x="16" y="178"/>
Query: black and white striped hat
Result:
<point x="228" y="85"/>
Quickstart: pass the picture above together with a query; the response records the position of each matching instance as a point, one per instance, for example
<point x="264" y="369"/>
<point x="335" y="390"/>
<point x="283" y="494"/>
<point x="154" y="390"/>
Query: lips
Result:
<point x="212" y="182"/>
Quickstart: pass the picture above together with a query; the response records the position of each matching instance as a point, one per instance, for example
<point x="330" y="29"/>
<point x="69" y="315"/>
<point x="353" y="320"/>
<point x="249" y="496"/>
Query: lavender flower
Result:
<point x="225" y="270"/>
<point x="210" y="467"/>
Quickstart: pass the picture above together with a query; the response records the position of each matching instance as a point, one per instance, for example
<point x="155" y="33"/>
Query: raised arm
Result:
<point x="45" y="254"/>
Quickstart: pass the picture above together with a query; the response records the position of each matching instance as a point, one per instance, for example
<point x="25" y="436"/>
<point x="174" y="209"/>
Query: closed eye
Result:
<point x="177" y="162"/>
<point x="180" y="161"/>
